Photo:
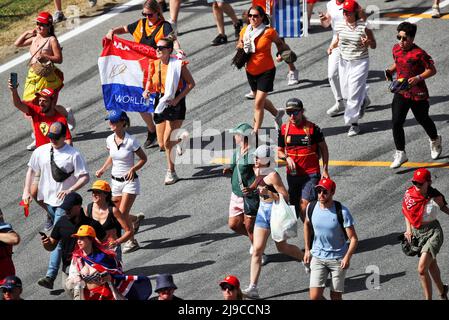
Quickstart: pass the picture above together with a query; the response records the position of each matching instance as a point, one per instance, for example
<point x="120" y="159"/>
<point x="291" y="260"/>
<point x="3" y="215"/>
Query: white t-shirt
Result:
<point x="336" y="14"/>
<point x="67" y="158"/>
<point x="123" y="155"/>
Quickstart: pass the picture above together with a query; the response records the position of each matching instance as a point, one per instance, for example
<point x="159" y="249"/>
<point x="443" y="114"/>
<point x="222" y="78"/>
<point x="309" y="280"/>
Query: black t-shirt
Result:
<point x="63" y="230"/>
<point x="433" y="193"/>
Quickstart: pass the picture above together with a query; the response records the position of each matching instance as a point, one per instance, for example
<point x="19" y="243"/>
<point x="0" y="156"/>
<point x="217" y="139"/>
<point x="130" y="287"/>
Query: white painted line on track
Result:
<point x="66" y="36"/>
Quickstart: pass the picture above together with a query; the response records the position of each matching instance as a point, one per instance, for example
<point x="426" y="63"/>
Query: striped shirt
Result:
<point x="350" y="40"/>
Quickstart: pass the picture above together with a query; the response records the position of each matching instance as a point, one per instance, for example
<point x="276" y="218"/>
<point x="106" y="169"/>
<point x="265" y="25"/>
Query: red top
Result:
<point x="301" y="144"/>
<point x="410" y="64"/>
<point x="42" y="123"/>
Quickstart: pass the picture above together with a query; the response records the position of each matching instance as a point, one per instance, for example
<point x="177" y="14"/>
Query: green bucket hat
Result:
<point x="243" y="129"/>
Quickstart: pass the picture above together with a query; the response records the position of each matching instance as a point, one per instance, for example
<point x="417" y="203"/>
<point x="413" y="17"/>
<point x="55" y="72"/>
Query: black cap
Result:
<point x="294" y="103"/>
<point x="71" y="200"/>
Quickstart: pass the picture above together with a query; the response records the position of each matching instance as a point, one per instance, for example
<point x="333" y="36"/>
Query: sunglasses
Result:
<point x="321" y="190"/>
<point x="42" y="24"/>
<point x="226" y="286"/>
<point x="149" y="15"/>
<point x="253" y="15"/>
<point x="9" y="290"/>
<point x="293" y="112"/>
<point x="401" y="38"/>
<point x="97" y="192"/>
<point x="160" y="48"/>
<point x="416" y="183"/>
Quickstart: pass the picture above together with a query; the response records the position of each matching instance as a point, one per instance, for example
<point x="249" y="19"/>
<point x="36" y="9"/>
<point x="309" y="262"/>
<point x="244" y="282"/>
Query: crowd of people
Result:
<point x="86" y="242"/>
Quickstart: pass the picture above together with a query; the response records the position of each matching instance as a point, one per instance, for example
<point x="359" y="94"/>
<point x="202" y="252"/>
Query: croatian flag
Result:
<point x="286" y="18"/>
<point x="123" y="68"/>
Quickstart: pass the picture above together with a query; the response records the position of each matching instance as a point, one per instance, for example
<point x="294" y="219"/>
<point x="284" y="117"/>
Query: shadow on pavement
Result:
<point x="358" y="282"/>
<point x="158" y="222"/>
<point x="372" y="244"/>
<point x="207" y="172"/>
<point x="207" y="238"/>
<point x="168" y="268"/>
<point x="286" y="294"/>
<point x="92" y="135"/>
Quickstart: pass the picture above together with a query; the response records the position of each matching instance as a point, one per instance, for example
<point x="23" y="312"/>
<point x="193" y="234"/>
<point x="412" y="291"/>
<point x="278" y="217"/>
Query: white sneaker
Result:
<point x="251" y="292"/>
<point x="171" y="177"/>
<point x="365" y="105"/>
<point x="336" y="108"/>
<point x="181" y="146"/>
<point x="353" y="130"/>
<point x="278" y="119"/>
<point x="436" y="11"/>
<point x="250" y="95"/>
<point x="136" y="224"/>
<point x="292" y="77"/>
<point x="31" y="146"/>
<point x="399" y="158"/>
<point x="435" y="148"/>
<point x="71" y="122"/>
<point x="130" y="246"/>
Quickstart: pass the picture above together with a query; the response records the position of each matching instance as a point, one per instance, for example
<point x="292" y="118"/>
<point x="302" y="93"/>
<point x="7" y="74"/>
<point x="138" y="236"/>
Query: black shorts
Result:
<point x="171" y="113"/>
<point x="262" y="82"/>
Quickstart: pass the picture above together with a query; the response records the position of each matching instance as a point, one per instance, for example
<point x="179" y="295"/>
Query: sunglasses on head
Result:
<point x="401" y="38"/>
<point x="292" y="112"/>
<point x="148" y="15"/>
<point x="226" y="286"/>
<point x="321" y="190"/>
<point x="253" y="15"/>
<point x="418" y="184"/>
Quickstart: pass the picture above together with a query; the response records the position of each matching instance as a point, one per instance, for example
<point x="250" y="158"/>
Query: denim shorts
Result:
<point x="263" y="217"/>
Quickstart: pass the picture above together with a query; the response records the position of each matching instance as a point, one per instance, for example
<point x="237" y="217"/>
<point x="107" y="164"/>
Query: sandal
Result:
<point x="443" y="296"/>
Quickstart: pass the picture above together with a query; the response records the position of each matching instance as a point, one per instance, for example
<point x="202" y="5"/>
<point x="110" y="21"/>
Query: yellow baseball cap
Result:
<point x="85" y="231"/>
<point x="100" y="185"/>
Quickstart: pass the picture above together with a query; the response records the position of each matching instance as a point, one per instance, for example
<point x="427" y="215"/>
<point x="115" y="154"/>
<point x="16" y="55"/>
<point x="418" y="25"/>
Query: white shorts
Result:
<point x="131" y="187"/>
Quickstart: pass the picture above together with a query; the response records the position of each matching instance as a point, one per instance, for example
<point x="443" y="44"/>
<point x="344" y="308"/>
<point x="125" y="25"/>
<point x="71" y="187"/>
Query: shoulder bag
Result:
<point x="42" y="68"/>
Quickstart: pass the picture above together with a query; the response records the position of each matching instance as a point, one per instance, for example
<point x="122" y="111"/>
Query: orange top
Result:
<point x="261" y="60"/>
<point x="154" y="76"/>
<point x="263" y="4"/>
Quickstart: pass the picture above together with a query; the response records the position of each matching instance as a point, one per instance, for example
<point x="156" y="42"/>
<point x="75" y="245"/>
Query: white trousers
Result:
<point x="332" y="73"/>
<point x="353" y="75"/>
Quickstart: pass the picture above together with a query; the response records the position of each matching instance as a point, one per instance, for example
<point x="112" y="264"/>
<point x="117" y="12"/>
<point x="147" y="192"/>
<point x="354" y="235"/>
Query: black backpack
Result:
<point x="340" y="219"/>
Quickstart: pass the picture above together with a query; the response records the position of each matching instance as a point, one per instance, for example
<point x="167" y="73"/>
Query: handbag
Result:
<point x="250" y="201"/>
<point x="240" y="58"/>
<point x="283" y="222"/>
<point x="42" y="68"/>
<point x="57" y="173"/>
<point x="289" y="56"/>
<point x="410" y="248"/>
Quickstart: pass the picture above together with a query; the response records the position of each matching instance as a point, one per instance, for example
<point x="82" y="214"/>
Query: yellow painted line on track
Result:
<point x="344" y="163"/>
<point x="413" y="15"/>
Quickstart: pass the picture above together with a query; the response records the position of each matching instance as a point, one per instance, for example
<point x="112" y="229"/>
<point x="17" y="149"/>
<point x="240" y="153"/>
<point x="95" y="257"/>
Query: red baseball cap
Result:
<point x="45" y="18"/>
<point x="47" y="92"/>
<point x="350" y="6"/>
<point x="232" y="280"/>
<point x="327" y="184"/>
<point x="422" y="175"/>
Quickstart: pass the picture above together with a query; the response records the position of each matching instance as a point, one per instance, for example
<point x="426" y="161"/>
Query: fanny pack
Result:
<point x="58" y="174"/>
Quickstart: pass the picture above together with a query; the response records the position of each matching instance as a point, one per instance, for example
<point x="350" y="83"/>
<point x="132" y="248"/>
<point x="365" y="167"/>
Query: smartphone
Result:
<point x="13" y="77"/>
<point x="43" y="234"/>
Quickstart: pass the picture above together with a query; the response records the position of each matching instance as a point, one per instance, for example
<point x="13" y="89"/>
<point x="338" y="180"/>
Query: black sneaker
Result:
<point x="220" y="39"/>
<point x="163" y="5"/>
<point x="237" y="28"/>
<point x="46" y="282"/>
<point x="151" y="139"/>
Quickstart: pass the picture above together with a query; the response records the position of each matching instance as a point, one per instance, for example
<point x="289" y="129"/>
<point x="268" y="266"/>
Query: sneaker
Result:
<point x="435" y="148"/>
<point x="278" y="119"/>
<point x="292" y="78"/>
<point x="353" y="130"/>
<point x="31" y="146"/>
<point x="265" y="259"/>
<point x="58" y="16"/>
<point x="163" y="5"/>
<point x="365" y="105"/>
<point x="171" y="177"/>
<point x="251" y="292"/>
<point x="220" y="39"/>
<point x="136" y="224"/>
<point x="181" y="146"/>
<point x="130" y="246"/>
<point x="48" y="223"/>
<point x="151" y="140"/>
<point x="250" y="96"/>
<point x="92" y="3"/>
<point x="46" y="282"/>
<point x="443" y="296"/>
<point x="174" y="26"/>
<point x="71" y="122"/>
<point x="237" y="28"/>
<point x="436" y="11"/>
<point x="400" y="157"/>
<point x="336" y="109"/>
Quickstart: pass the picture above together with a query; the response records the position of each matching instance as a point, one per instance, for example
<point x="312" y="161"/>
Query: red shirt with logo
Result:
<point x="301" y="144"/>
<point x="42" y="123"/>
<point x="410" y="64"/>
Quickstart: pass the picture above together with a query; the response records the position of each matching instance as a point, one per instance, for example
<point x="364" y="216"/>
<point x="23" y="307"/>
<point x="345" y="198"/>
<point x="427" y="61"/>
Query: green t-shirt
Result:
<point x="245" y="166"/>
